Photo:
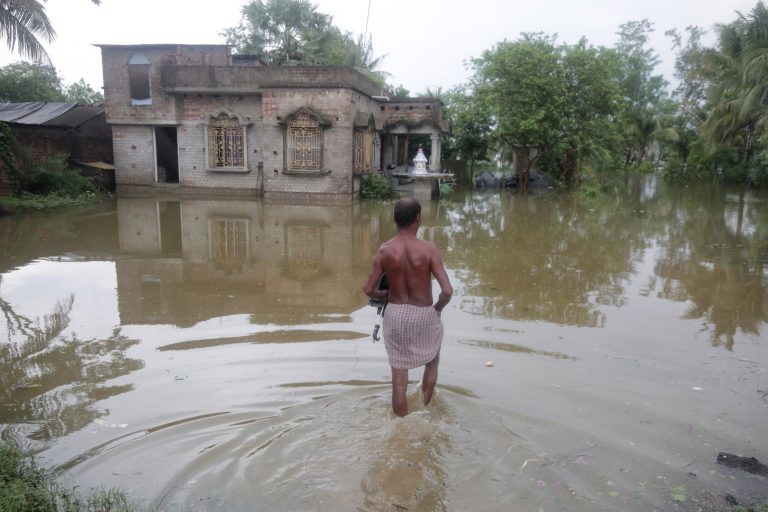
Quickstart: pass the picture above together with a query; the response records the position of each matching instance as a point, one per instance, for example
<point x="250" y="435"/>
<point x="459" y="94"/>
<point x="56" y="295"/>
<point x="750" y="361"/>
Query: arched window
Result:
<point x="226" y="142"/>
<point x="303" y="144"/>
<point x="139" y="79"/>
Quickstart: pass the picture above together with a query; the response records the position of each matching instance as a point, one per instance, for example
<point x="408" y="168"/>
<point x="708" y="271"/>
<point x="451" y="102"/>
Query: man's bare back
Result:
<point x="409" y="264"/>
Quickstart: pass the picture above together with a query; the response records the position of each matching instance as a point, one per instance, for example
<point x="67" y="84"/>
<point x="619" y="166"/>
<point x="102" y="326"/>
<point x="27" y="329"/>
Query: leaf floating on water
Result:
<point x="103" y="423"/>
<point x="28" y="386"/>
<point x="678" y="493"/>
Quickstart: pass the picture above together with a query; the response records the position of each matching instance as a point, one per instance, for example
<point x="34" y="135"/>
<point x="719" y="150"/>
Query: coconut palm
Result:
<point x="739" y="95"/>
<point x="280" y="31"/>
<point x="24" y="23"/>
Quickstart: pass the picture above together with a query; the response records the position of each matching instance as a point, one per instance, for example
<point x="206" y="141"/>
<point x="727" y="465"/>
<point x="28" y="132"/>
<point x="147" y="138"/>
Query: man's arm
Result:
<point x="370" y="288"/>
<point x="438" y="270"/>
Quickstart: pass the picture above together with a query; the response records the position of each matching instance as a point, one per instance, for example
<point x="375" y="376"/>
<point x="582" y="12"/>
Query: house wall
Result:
<point x="190" y="84"/>
<point x="91" y="141"/>
<point x="117" y="94"/>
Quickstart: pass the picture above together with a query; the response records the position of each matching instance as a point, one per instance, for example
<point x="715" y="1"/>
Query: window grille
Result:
<point x="229" y="240"/>
<point x="303" y="144"/>
<point x="225" y="142"/>
<point x="363" y="149"/>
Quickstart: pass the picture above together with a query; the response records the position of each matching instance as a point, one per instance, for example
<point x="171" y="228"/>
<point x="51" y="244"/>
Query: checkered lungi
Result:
<point x="412" y="335"/>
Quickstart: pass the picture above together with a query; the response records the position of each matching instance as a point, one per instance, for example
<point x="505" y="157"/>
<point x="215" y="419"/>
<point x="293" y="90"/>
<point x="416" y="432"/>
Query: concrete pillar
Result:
<point x="434" y="157"/>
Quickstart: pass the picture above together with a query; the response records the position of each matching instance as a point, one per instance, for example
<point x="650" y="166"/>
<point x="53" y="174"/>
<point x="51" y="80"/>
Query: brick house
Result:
<point x="194" y="118"/>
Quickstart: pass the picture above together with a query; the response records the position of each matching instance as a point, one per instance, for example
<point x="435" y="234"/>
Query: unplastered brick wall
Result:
<point x="117" y="93"/>
<point x="134" y="152"/>
<point x="334" y="106"/>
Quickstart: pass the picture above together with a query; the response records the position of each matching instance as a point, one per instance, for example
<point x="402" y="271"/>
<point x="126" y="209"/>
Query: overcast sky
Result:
<point x="425" y="42"/>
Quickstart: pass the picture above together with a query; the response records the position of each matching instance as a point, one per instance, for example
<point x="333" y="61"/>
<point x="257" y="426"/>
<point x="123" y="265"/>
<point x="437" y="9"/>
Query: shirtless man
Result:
<point x="413" y="329"/>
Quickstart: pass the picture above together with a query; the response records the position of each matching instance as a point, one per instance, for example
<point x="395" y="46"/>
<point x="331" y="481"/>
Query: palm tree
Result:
<point x="280" y="31"/>
<point x="24" y="23"/>
<point x="739" y="95"/>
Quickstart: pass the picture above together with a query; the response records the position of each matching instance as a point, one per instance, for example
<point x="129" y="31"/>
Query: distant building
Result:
<point x="47" y="129"/>
<point x="194" y="118"/>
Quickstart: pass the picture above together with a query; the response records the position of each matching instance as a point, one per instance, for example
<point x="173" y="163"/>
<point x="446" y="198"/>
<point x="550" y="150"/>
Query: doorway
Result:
<point x="167" y="152"/>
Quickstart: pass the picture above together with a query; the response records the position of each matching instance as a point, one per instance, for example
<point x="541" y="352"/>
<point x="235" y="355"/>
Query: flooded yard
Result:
<point x="217" y="355"/>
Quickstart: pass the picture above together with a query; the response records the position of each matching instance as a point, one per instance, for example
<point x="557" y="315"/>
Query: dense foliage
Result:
<point x="584" y="112"/>
<point x="282" y="32"/>
<point x="24" y="81"/>
<point x="377" y="186"/>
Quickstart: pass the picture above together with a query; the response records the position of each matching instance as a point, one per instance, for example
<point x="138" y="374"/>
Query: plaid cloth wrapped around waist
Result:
<point x="412" y="335"/>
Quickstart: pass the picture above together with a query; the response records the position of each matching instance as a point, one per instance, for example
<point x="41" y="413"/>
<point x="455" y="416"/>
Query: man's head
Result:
<point x="406" y="212"/>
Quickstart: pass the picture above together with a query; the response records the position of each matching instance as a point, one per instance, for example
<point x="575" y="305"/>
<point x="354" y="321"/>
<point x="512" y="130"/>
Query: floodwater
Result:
<point x="216" y="355"/>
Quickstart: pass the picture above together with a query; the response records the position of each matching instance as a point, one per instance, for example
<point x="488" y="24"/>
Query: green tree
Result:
<point x="739" y="92"/>
<point x="521" y="85"/>
<point x="24" y="23"/>
<point x="643" y="91"/>
<point x="592" y="100"/>
<point x="693" y="76"/>
<point x="471" y="127"/>
<point x="83" y="93"/>
<point x="282" y="31"/>
<point x="22" y="81"/>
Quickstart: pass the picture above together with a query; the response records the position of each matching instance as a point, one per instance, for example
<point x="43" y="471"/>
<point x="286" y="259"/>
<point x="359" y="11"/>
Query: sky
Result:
<point x="425" y="43"/>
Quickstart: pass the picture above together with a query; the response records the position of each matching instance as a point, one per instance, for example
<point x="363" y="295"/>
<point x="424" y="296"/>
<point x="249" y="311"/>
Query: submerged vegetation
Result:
<point x="25" y="487"/>
<point x="48" y="183"/>
<point x="377" y="186"/>
<point x="583" y="112"/>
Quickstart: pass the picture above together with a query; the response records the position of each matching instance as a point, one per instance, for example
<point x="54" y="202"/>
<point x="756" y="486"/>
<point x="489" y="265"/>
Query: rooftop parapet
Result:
<point x="177" y="79"/>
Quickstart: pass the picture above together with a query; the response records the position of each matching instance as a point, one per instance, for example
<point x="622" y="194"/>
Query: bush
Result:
<point x="52" y="176"/>
<point x="377" y="186"/>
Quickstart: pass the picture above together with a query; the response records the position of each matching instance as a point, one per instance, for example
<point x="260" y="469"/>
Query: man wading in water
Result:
<point x="413" y="330"/>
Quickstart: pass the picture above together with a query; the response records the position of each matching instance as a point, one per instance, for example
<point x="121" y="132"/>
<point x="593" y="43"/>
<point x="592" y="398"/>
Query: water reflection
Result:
<point x="564" y="260"/>
<point x="715" y="255"/>
<point x="49" y="382"/>
<point x="281" y="264"/>
<point x="541" y="258"/>
<point x="226" y="336"/>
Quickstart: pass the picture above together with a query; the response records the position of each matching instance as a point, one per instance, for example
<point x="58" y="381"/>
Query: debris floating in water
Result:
<point x="489" y="363"/>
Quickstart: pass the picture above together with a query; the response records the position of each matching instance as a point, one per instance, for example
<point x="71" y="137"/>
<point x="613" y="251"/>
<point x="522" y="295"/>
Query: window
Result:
<point x="303" y="144"/>
<point x="229" y="240"/>
<point x="363" y="149"/>
<point x="225" y="142"/>
<point x="139" y="80"/>
<point x="304" y="248"/>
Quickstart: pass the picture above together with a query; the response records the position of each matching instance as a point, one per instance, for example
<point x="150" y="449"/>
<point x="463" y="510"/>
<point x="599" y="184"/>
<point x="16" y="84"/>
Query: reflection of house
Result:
<point x="195" y="117"/>
<point x="191" y="260"/>
<point x="44" y="130"/>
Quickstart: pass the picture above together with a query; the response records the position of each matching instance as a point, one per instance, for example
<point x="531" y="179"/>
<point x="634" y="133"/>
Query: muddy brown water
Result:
<point x="216" y="355"/>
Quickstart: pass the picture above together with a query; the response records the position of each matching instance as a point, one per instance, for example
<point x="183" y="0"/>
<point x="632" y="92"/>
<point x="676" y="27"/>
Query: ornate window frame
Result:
<point x="226" y="142"/>
<point x="364" y="144"/>
<point x="303" y="145"/>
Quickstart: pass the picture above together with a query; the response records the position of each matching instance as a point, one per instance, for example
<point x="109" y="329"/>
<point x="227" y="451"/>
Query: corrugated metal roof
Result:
<point x="76" y="116"/>
<point x="52" y="113"/>
<point x="10" y="112"/>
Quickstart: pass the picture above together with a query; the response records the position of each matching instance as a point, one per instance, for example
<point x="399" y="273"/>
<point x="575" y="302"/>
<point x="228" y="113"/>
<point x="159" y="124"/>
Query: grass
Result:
<point x="25" y="487"/>
<point x="27" y="201"/>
